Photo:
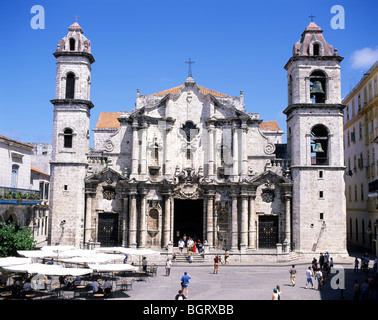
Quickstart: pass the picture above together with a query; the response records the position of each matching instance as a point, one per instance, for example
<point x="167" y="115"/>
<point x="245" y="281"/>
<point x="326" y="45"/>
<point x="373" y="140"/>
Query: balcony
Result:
<point x="17" y="196"/>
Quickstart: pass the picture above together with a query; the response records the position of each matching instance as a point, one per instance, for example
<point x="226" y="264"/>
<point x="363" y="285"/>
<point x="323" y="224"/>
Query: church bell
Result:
<point x="317" y="90"/>
<point x="318" y="148"/>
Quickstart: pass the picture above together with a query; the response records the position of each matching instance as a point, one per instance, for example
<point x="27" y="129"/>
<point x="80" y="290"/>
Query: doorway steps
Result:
<point x="183" y="258"/>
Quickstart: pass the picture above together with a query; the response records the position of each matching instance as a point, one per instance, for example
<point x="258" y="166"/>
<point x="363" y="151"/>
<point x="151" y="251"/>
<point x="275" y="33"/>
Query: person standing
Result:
<point x="168" y="265"/>
<point x="309" y="275"/>
<point x="181" y="245"/>
<point x="321" y="260"/>
<point x="144" y="264"/>
<point x="226" y="255"/>
<point x="216" y="264"/>
<point x="319" y="277"/>
<point x="293" y="273"/>
<point x="356" y="263"/>
<point x="275" y="294"/>
<point x="185" y="283"/>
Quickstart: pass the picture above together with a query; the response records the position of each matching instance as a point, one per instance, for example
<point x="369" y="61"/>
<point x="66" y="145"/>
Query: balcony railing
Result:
<point x="19" y="196"/>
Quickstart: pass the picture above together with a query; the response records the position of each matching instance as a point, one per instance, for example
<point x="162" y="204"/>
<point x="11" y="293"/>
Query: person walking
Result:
<point x="309" y="275"/>
<point x="180" y="295"/>
<point x="293" y="273"/>
<point x="168" y="265"/>
<point x="185" y="283"/>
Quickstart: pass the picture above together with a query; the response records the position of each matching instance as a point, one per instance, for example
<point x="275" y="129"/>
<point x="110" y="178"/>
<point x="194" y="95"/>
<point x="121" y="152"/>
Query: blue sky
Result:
<point x="236" y="45"/>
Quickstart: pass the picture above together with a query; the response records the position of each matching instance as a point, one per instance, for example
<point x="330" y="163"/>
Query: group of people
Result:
<point x="364" y="264"/>
<point x="99" y="288"/>
<point x="22" y="286"/>
<point x="218" y="260"/>
<point x="191" y="244"/>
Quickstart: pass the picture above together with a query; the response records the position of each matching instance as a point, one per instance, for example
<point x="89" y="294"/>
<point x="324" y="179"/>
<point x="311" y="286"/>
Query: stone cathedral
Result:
<point x="192" y="161"/>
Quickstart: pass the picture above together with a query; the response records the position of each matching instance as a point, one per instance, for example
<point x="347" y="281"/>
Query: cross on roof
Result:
<point x="312" y="17"/>
<point x="76" y="17"/>
<point x="190" y="62"/>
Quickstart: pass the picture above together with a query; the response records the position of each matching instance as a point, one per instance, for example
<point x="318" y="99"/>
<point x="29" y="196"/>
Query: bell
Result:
<point x="318" y="148"/>
<point x="317" y="90"/>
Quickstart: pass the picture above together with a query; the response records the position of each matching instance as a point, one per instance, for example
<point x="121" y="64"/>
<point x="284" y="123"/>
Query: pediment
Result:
<point x="107" y="175"/>
<point x="268" y="177"/>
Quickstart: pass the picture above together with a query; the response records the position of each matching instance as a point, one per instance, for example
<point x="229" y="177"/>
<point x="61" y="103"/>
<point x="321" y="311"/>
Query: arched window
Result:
<point x="70" y="86"/>
<point x="68" y="133"/>
<point x="15" y="168"/>
<point x="316" y="49"/>
<point x="319" y="145"/>
<point x="318" y="89"/>
<point x="72" y="44"/>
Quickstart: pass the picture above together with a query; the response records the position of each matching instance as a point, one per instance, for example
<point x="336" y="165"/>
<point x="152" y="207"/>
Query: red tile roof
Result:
<point x="269" y="125"/>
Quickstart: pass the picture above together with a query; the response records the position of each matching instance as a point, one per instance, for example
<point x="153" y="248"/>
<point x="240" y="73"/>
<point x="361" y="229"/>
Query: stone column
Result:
<point x="125" y="220"/>
<point x="167" y="219"/>
<point x="244" y="222"/>
<point x="204" y="212"/>
<point x="135" y="153"/>
<point x="287" y="219"/>
<point x="142" y="220"/>
<point x="211" y="150"/>
<point x="88" y="216"/>
<point x="143" y="160"/>
<point x="235" y="154"/>
<point x="172" y="218"/>
<point x="252" y="222"/>
<point x="244" y="169"/>
<point x="167" y="148"/>
<point x="234" y="222"/>
<point x="133" y="219"/>
<point x="210" y="218"/>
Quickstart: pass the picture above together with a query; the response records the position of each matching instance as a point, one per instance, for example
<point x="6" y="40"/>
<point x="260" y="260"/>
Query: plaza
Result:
<point x="241" y="282"/>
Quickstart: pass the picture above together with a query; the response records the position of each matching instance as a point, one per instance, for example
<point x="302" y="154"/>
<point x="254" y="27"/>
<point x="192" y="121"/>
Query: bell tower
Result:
<point x="315" y="144"/>
<point x="72" y="107"/>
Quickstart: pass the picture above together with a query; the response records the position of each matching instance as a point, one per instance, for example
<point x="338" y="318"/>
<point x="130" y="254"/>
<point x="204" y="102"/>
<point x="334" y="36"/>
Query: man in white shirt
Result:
<point x="308" y="276"/>
<point x="168" y="265"/>
<point x="181" y="244"/>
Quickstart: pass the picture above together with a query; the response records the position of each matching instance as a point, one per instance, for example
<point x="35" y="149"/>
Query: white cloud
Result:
<point x="364" y="58"/>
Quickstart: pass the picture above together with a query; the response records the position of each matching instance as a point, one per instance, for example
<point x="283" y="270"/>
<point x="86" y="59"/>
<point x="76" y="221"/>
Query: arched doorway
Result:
<point x="188" y="219"/>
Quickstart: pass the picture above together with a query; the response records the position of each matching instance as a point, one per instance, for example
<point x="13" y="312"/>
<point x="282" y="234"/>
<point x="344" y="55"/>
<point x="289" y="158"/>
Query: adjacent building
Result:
<point x="361" y="155"/>
<point x="23" y="188"/>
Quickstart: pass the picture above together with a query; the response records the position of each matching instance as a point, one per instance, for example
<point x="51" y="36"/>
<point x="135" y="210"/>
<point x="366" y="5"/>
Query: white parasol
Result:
<point x="11" y="261"/>
<point x="51" y="270"/>
<point x="37" y="253"/>
<point x="113" y="267"/>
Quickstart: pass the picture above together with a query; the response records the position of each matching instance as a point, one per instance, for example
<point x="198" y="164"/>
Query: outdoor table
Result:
<point x="6" y="294"/>
<point x="126" y="284"/>
<point x="80" y="290"/>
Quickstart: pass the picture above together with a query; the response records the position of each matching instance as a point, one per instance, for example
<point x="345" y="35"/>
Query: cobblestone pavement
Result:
<point x="241" y="282"/>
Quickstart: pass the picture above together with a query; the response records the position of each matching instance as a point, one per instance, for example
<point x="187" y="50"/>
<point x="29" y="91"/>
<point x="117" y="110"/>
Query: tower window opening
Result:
<point x="72" y="44"/>
<point x="70" y="86"/>
<point x="68" y="138"/>
<point x="319" y="145"/>
<point x="316" y="49"/>
<point x="318" y="90"/>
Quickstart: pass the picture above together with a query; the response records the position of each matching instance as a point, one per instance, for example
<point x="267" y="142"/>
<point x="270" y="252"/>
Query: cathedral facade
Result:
<point x="192" y="161"/>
